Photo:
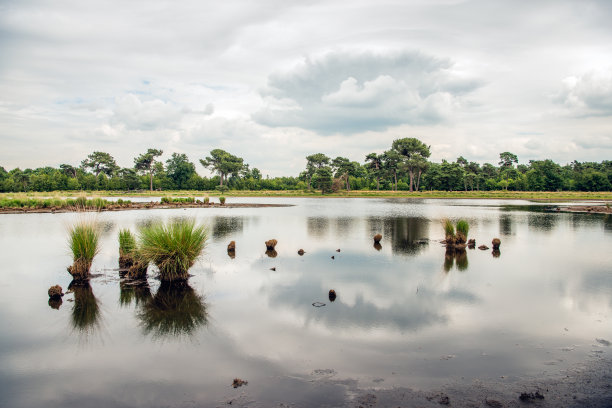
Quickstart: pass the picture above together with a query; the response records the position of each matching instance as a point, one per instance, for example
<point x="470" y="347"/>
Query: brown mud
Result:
<point x="588" y="384"/>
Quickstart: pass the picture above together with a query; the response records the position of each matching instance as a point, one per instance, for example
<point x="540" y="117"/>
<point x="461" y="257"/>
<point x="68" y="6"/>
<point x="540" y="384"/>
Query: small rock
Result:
<point x="301" y="252"/>
<point x="271" y="244"/>
<point x="496" y="243"/>
<point x="239" y="382"/>
<point x="493" y="403"/>
<point x="530" y="396"/>
<point x="338" y="250"/>
<point x="332" y="295"/>
<point x="483" y="247"/>
<point x="55" y="292"/>
<point x="231" y="246"/>
<point x="333" y="257"/>
<point x="377" y="238"/>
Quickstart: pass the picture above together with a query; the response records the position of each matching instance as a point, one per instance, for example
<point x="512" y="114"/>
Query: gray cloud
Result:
<point x="589" y="94"/>
<point x="349" y="92"/>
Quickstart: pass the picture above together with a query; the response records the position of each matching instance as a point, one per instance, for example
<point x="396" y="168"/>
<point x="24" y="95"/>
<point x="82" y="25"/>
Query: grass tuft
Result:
<point x="83" y="242"/>
<point x="449" y="229"/>
<point x="173" y="247"/>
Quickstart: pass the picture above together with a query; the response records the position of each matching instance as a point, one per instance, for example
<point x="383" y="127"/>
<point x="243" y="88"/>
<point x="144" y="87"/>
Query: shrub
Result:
<point x="83" y="242"/>
<point x="222" y="200"/>
<point x="173" y="248"/>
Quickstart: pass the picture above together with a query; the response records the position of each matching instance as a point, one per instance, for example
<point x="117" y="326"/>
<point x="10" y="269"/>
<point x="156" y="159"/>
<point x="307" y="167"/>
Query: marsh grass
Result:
<point x="462" y="231"/>
<point x="173" y="247"/>
<point x="449" y="231"/>
<point x="127" y="242"/>
<point x="83" y="242"/>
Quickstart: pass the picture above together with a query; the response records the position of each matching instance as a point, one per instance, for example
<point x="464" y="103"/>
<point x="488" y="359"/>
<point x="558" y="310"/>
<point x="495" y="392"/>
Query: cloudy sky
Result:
<point x="275" y="80"/>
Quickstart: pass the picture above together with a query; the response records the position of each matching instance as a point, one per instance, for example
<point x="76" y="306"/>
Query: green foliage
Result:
<point x="173" y="247"/>
<point x="83" y="241"/>
<point x="222" y="200"/>
<point x="127" y="241"/>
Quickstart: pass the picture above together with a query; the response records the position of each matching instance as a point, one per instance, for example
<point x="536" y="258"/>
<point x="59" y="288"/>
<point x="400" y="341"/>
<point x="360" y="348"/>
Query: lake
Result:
<point x="405" y="314"/>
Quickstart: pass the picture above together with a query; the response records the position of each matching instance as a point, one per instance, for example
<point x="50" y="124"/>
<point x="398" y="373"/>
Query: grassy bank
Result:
<point x="511" y="195"/>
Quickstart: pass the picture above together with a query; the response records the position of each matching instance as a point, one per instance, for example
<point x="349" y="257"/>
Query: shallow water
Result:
<point x="405" y="314"/>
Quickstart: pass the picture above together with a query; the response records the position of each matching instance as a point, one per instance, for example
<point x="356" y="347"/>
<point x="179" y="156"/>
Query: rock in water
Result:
<point x="55" y="292"/>
<point x="332" y="295"/>
<point x="271" y="244"/>
<point x="231" y="246"/>
<point x="377" y="238"/>
<point x="496" y="243"/>
<point x="301" y="252"/>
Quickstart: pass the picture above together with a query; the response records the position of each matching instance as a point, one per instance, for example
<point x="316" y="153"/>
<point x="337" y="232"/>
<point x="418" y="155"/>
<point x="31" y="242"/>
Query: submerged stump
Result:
<point x="80" y="269"/>
<point x="377" y="238"/>
<point x="496" y="243"/>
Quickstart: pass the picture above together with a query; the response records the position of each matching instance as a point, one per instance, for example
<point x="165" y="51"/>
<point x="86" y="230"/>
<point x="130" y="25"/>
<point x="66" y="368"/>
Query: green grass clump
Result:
<point x="462" y="231"/>
<point x="127" y="241"/>
<point x="173" y="247"/>
<point x="222" y="200"/>
<point x="449" y="229"/>
<point x="83" y="242"/>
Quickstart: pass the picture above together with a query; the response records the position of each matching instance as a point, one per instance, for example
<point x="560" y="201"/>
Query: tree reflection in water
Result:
<point x="407" y="234"/>
<point x="175" y="310"/>
<point x="85" y="316"/>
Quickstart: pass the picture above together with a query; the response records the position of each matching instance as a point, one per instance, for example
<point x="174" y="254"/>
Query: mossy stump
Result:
<point x="80" y="269"/>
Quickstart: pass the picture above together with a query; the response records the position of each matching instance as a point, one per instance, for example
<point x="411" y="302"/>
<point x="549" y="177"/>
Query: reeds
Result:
<point x="127" y="242"/>
<point x="460" y="236"/>
<point x="83" y="242"/>
<point x="462" y="231"/>
<point x="173" y="247"/>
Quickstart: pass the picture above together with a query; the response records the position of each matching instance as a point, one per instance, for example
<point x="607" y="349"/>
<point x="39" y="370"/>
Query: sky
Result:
<point x="273" y="81"/>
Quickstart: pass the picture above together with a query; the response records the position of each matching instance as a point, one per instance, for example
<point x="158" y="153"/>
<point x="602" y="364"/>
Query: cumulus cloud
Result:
<point x="348" y="92"/>
<point x="136" y="114"/>
<point x="589" y="94"/>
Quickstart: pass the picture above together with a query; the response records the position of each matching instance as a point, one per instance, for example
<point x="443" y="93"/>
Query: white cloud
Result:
<point x="350" y="92"/>
<point x="589" y="94"/>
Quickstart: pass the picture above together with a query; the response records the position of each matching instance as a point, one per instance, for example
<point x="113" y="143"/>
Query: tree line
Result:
<point x="404" y="167"/>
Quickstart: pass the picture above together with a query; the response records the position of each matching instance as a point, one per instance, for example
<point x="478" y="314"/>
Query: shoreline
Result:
<point x="133" y="206"/>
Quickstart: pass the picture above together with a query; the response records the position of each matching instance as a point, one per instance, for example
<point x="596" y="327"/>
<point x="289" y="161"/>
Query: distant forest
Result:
<point x="405" y="166"/>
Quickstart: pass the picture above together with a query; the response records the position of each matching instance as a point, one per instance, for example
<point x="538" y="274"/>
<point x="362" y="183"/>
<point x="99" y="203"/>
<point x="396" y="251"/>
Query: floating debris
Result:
<point x="55" y="292"/>
<point x="332" y="295"/>
<point x="271" y="244"/>
<point x="301" y="252"/>
<point x="239" y="382"/>
<point x="377" y="238"/>
<point x="318" y="304"/>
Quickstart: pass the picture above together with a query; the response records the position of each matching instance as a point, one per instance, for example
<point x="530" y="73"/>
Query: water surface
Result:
<point x="405" y="315"/>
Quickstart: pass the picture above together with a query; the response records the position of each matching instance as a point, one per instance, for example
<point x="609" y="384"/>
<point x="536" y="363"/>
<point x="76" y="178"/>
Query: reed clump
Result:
<point x="130" y="258"/>
<point x="83" y="242"/>
<point x="173" y="247"/>
<point x="456" y="235"/>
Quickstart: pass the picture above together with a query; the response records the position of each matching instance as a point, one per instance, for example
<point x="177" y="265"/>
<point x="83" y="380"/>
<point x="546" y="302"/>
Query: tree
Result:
<point x="179" y="169"/>
<point x="392" y="160"/>
<point x="146" y="163"/>
<point x="375" y="163"/>
<point x="223" y="163"/>
<point x="100" y="162"/>
<point x="323" y="179"/>
<point x="461" y="161"/>
<point x="506" y="159"/>
<point x="415" y="155"/>
<point x="313" y="163"/>
<point x="69" y="170"/>
<point x="345" y="168"/>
